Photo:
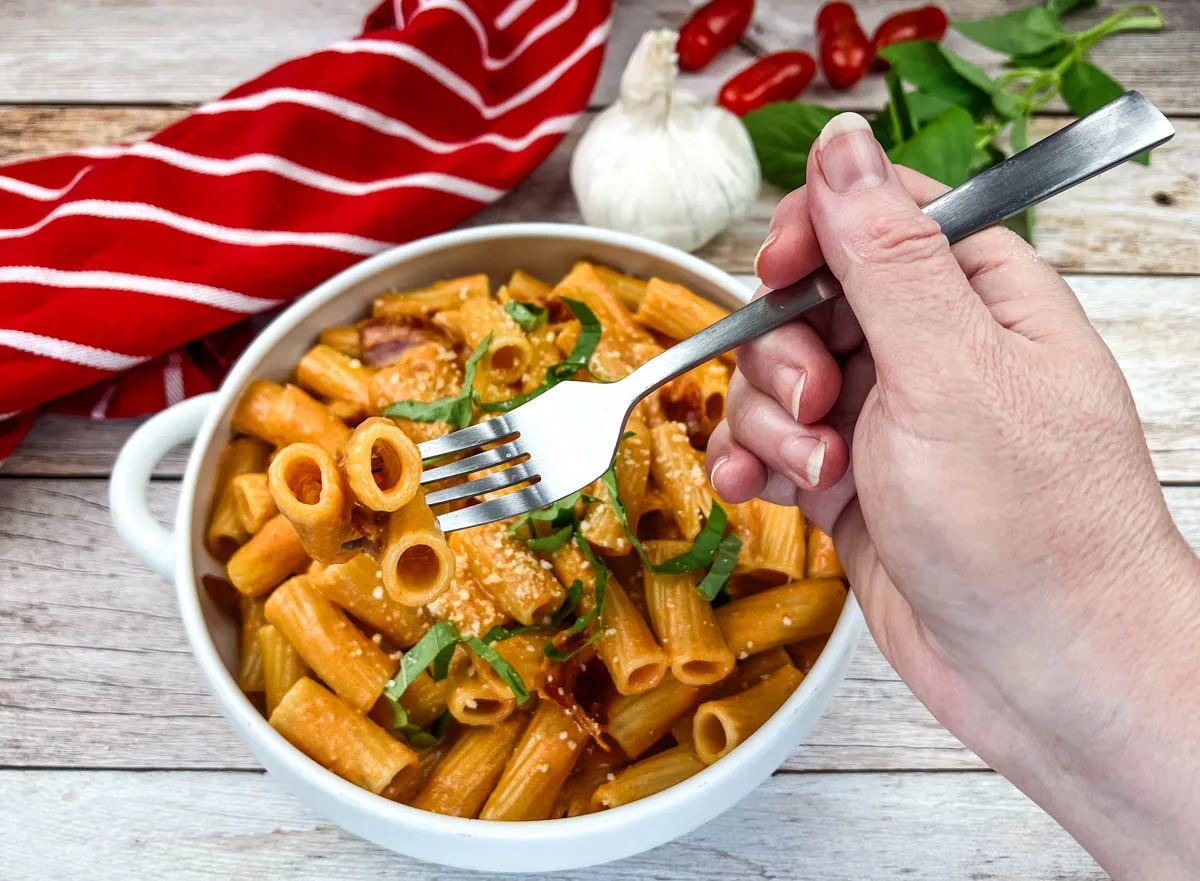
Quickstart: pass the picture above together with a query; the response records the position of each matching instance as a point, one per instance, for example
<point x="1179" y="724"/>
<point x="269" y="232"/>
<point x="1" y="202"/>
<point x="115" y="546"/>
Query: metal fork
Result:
<point x="566" y="438"/>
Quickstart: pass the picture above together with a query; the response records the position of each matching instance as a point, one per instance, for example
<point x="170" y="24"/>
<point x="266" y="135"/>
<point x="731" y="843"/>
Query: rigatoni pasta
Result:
<point x="310" y="490"/>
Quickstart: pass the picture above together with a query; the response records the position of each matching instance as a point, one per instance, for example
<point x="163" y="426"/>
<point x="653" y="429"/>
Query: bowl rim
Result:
<point x="257" y="732"/>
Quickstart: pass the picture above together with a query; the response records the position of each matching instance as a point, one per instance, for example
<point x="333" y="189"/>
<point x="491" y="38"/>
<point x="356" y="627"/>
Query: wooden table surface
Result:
<point x="114" y="761"/>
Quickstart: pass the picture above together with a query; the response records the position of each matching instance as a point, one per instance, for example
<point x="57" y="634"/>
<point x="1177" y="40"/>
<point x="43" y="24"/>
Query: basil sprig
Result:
<point x="418" y="737"/>
<point x="528" y="315"/>
<point x="455" y="409"/>
<point x="435" y="649"/>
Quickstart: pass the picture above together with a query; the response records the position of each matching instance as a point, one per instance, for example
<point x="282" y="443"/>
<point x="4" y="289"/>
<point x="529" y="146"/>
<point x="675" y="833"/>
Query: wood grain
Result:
<point x="175" y="51"/>
<point x="95" y="671"/>
<point x="801" y="827"/>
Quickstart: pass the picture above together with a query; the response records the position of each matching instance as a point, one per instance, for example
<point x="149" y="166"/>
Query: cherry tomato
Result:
<point x="846" y="52"/>
<point x="712" y="29"/>
<point x="925" y="23"/>
<point x="779" y="77"/>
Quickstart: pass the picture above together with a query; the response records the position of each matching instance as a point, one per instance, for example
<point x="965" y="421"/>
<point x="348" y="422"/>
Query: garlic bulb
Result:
<point x="660" y="163"/>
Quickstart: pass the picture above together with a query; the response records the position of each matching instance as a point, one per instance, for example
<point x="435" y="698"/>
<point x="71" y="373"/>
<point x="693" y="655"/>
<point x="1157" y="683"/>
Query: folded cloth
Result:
<point x="123" y="270"/>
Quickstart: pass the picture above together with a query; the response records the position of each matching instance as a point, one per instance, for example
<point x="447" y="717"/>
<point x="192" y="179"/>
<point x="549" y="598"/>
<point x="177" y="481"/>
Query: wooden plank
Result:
<point x="1151" y="324"/>
<point x="97" y="672"/>
<point x="155" y="51"/>
<point x="1132" y="220"/>
<point x="806" y="827"/>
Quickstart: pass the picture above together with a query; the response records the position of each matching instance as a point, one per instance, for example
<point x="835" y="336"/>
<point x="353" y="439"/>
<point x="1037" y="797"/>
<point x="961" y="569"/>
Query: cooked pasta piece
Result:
<point x="336" y="376"/>
<point x="624" y="344"/>
<point x="440" y="295"/>
<point x="823" y="560"/>
<point x="629" y="290"/>
<point x="779" y="615"/>
<point x="423" y="373"/>
<point x="253" y="501"/>
<point x="526" y="288"/>
<point x="405" y="785"/>
<point x="575" y="798"/>
<point x="654" y="774"/>
<point x="463" y="780"/>
<point x="423" y="702"/>
<point x="684" y="621"/>
<point x="543" y="354"/>
<point x="509" y="571"/>
<point x="638" y="721"/>
<point x="342" y="739"/>
<point x="804" y="654"/>
<point x="337" y="651"/>
<point x="250" y="659"/>
<point x="282" y="664"/>
<point x="226" y="532"/>
<point x="310" y="490"/>
<point x="274" y="553"/>
<point x="383" y="465"/>
<point x="283" y="415"/>
<point x="525" y="654"/>
<point x="601" y="525"/>
<point x="538" y="768"/>
<point x="357" y="586"/>
<point x="721" y="725"/>
<point x="345" y="339"/>
<point x="417" y="562"/>
<point x="655" y="519"/>
<point x="474" y="700"/>
<point x="678" y="471"/>
<point x="507" y="356"/>
<point x="752" y="671"/>
<point x="772" y="541"/>
<point x="471" y="608"/>
<point x="673" y="310"/>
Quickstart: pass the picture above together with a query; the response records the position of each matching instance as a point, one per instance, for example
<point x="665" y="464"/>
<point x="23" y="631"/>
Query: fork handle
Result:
<point x="1115" y="133"/>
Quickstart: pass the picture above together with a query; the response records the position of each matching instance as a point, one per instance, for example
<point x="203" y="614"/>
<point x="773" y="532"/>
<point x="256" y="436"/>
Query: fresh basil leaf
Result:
<point x="903" y="125"/>
<point x="1042" y="60"/>
<point x="984" y="158"/>
<point x="455" y="410"/>
<point x="1019" y="136"/>
<point x="552" y="514"/>
<point x="399" y="714"/>
<point x="552" y="651"/>
<point x="881" y="127"/>
<point x="1063" y="7"/>
<point x="783" y="134"/>
<point x="556" y="654"/>
<point x="567" y="609"/>
<point x="417" y="737"/>
<point x="942" y="149"/>
<point x="925" y="106"/>
<point x="503" y="669"/>
<point x="440" y="668"/>
<point x="529" y="316"/>
<point x="442" y="636"/>
<point x="551" y="542"/>
<point x="1031" y="29"/>
<point x="722" y="567"/>
<point x="938" y="72"/>
<point x="700" y="554"/>
<point x="609" y="479"/>
<point x="1086" y="87"/>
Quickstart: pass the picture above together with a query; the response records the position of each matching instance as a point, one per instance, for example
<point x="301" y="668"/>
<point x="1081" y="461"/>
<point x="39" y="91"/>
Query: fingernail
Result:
<point x="812" y="470"/>
<point x="789" y="386"/>
<point x="804" y="457"/>
<point x="712" y="476"/>
<point x="848" y="154"/>
<point x="772" y="236"/>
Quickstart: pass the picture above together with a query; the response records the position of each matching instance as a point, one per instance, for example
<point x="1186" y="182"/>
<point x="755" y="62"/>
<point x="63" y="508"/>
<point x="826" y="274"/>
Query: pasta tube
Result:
<point x="390" y="484"/>
<point x="253" y="501"/>
<point x="601" y="526"/>
<point x="274" y="553"/>
<point x="678" y="471"/>
<point x="357" y="586"/>
<point x="283" y="415"/>
<point x="641" y="779"/>
<point x="804" y="654"/>
<point x="624" y="344"/>
<point x="509" y="571"/>
<point x="526" y="288"/>
<point x="335" y="376"/>
<point x="423" y="373"/>
<point x="309" y="489"/>
<point x="471" y="608"/>
<point x="638" y="721"/>
<point x="772" y="541"/>
<point x="438" y="297"/>
<point x="225" y="531"/>
<point x="721" y="725"/>
<point x="405" y="785"/>
<point x="507" y="356"/>
<point x="345" y="339"/>
<point x="779" y="615"/>
<point x="675" y="311"/>
<point x="463" y="780"/>
<point x="823" y="560"/>
<point x="629" y="290"/>
<point x="538" y="768"/>
<point x="250" y="659"/>
<point x="474" y="700"/>
<point x="575" y="798"/>
<point x="684" y="621"/>
<point x="282" y="664"/>
<point x="416" y="562"/>
<point x="343" y="740"/>
<point x="337" y="651"/>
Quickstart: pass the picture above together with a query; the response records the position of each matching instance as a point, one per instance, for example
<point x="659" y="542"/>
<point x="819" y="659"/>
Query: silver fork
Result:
<point x="567" y="437"/>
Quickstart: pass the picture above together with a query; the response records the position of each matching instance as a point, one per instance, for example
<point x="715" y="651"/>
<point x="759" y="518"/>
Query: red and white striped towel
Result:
<point x="122" y="269"/>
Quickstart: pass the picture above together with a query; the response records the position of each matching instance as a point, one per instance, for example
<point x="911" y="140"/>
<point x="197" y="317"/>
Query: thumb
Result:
<point x="904" y="284"/>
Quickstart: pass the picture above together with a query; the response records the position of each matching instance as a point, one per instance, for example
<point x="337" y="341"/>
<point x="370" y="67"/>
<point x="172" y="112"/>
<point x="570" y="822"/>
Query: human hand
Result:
<point x="1001" y="524"/>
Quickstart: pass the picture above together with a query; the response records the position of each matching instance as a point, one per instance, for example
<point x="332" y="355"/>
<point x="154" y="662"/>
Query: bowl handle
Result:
<point x="127" y="492"/>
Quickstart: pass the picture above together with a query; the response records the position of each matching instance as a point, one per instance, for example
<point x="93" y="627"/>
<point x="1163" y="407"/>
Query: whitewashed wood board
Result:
<point x="800" y="827"/>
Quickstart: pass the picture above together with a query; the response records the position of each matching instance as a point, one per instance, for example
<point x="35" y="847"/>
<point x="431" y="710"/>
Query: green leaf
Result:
<point x="440" y="668"/>
<point x="1044" y="59"/>
<point x="417" y="737"/>
<point x="609" y="479"/>
<point x="700" y="554"/>
<point x="440" y="637"/>
<point x="528" y="315"/>
<point x="722" y="567"/>
<point x="925" y="106"/>
<point x="1019" y="136"/>
<point x="1086" y="87"/>
<point x="941" y="74"/>
<point x="503" y="669"/>
<point x="455" y="410"/>
<point x="556" y="513"/>
<point x="1063" y="7"/>
<point x="783" y="134"/>
<point x="551" y="542"/>
<point x="552" y="651"/>
<point x="942" y="149"/>
<point x="1032" y="29"/>
<point x="903" y="124"/>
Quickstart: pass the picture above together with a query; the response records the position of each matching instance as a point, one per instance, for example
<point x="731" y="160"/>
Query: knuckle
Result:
<point x="884" y="238"/>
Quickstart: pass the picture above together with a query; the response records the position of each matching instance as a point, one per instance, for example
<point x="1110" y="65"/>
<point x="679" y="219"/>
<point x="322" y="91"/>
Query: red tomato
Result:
<point x="845" y="51"/>
<point x="925" y="23"/>
<point x="779" y="77"/>
<point x="712" y="29"/>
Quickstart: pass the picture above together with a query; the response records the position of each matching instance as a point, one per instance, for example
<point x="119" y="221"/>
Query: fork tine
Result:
<point x="486" y="459"/>
<point x="480" y="485"/>
<point x="520" y="502"/>
<point x="465" y="438"/>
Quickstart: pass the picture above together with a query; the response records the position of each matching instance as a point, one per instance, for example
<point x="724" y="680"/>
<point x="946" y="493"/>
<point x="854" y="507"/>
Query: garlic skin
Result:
<point x="661" y="164"/>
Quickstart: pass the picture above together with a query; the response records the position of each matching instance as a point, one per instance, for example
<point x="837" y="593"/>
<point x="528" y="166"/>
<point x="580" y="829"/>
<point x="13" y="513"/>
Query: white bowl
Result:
<point x="547" y="251"/>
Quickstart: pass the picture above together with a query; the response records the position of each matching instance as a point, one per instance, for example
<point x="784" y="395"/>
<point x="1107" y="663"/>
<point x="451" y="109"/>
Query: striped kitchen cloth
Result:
<point x="127" y="273"/>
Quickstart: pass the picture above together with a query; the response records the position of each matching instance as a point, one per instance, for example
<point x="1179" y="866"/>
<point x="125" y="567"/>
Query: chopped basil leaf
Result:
<point x="355" y="544"/>
<point x="441" y="637"/>
<point x="552" y="651"/>
<point x="552" y="514"/>
<point x="722" y="567"/>
<point x="609" y="479"/>
<point x="441" y="664"/>
<point x="528" y="315"/>
<point x="417" y="737"/>
<point x="701" y="552"/>
<point x="503" y="669"/>
<point x="551" y="542"/>
<point x="455" y="409"/>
